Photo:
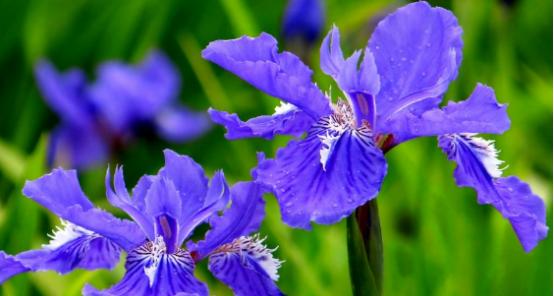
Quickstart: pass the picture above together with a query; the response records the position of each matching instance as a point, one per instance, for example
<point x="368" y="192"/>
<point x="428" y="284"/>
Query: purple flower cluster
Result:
<point x="392" y="90"/>
<point x="166" y="208"/>
<point x="97" y="119"/>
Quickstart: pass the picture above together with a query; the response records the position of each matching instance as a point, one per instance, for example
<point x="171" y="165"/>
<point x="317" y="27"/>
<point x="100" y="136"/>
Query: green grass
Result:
<point x="437" y="240"/>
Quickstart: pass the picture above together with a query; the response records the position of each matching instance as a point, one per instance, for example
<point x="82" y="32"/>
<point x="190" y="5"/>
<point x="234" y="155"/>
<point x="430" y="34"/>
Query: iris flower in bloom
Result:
<point x="393" y="89"/>
<point x="165" y="209"/>
<point x="99" y="118"/>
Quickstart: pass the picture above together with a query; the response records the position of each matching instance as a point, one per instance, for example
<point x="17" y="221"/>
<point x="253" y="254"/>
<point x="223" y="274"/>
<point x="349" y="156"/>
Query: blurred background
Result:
<point x="437" y="240"/>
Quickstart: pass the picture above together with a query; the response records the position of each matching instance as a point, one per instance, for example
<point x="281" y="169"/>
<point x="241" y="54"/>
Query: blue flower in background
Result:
<point x="165" y="208"/>
<point x="393" y="89"/>
<point x="99" y="118"/>
<point x="304" y="19"/>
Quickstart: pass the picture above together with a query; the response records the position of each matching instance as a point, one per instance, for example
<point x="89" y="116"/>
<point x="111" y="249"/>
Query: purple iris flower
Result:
<point x="393" y="89"/>
<point x="99" y="118"/>
<point x="165" y="208"/>
<point x="304" y="19"/>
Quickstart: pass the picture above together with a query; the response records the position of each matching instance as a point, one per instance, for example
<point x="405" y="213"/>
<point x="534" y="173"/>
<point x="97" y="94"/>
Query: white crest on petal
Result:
<point x="328" y="141"/>
<point x="157" y="250"/>
<point x="486" y="152"/>
<point x="284" y="108"/>
<point x="330" y="128"/>
<point x="64" y="234"/>
<point x="253" y="246"/>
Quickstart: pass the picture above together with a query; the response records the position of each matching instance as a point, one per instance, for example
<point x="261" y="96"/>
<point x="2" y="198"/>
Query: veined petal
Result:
<point x="178" y="124"/>
<point x="478" y="168"/>
<point x="292" y="121"/>
<point x="61" y="193"/>
<point x="480" y="113"/>
<point x="282" y="75"/>
<point x="71" y="247"/>
<point x="417" y="50"/>
<point x="243" y="217"/>
<point x="9" y="267"/>
<point x="65" y="93"/>
<point x="247" y="267"/>
<point x="152" y="271"/>
<point x="309" y="190"/>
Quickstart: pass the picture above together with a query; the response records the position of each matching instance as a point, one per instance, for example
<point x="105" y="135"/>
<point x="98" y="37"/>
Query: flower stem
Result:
<point x="365" y="250"/>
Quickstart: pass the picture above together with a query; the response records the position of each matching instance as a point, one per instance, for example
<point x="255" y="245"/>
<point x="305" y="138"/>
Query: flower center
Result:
<point x="153" y="254"/>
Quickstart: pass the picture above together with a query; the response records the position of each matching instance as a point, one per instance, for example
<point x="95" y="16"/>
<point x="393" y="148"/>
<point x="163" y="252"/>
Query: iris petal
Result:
<point x="61" y="193"/>
<point x="189" y="179"/>
<point x="163" y="207"/>
<point x="480" y="113"/>
<point x="331" y="56"/>
<point x="417" y="50"/>
<point x="72" y="247"/>
<point x="292" y="122"/>
<point x="477" y="168"/>
<point x="282" y="75"/>
<point x="243" y="217"/>
<point x="307" y="191"/>
<point x="216" y="200"/>
<point x="10" y="267"/>
<point x="247" y="267"/>
<point x="151" y="271"/>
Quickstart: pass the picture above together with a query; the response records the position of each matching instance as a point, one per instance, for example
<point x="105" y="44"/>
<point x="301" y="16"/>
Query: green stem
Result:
<point x="365" y="250"/>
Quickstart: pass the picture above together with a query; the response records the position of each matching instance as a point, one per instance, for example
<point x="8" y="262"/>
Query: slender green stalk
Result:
<point x="365" y="250"/>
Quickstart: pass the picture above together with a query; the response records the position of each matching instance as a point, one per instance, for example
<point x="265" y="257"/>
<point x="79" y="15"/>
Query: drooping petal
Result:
<point x="477" y="167"/>
<point x="304" y="19"/>
<point x="71" y="247"/>
<point x="243" y="218"/>
<point x="417" y="50"/>
<point x="291" y="122"/>
<point x="61" y="193"/>
<point x="86" y="250"/>
<point x="324" y="177"/>
<point x="65" y="93"/>
<point x="525" y="210"/>
<point x="9" y="267"/>
<point x="126" y="94"/>
<point x="76" y="147"/>
<point x="178" y="124"/>
<point x="247" y="267"/>
<point x="282" y="75"/>
<point x="480" y="113"/>
<point x="152" y="271"/>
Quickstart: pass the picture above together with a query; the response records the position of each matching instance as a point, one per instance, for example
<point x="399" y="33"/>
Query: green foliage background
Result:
<point x="437" y="240"/>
